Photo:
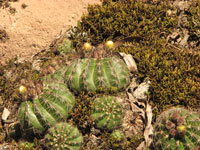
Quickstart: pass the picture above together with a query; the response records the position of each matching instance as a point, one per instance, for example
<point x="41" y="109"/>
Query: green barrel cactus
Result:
<point x="92" y="74"/>
<point x="107" y="112"/>
<point x="52" y="106"/>
<point x="63" y="136"/>
<point x="177" y="129"/>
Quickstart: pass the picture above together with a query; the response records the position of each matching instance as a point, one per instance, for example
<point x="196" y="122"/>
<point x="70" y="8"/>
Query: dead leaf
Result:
<point x="130" y="62"/>
<point x="5" y="114"/>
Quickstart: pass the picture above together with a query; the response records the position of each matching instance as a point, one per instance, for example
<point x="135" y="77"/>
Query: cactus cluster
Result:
<point x="53" y="105"/>
<point x="107" y="112"/>
<point x="63" y="136"/>
<point x="92" y="74"/>
<point x="177" y="129"/>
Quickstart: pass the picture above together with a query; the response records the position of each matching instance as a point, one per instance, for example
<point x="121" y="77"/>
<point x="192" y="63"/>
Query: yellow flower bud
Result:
<point x="109" y="44"/>
<point x="87" y="46"/>
<point x="22" y="89"/>
<point x="181" y="128"/>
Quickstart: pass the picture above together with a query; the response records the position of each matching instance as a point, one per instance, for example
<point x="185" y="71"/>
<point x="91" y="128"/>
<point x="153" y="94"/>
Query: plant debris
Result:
<point x="3" y="36"/>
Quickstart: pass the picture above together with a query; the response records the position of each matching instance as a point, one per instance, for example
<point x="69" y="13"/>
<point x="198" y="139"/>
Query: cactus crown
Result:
<point x="63" y="136"/>
<point x="107" y="112"/>
<point x="177" y="128"/>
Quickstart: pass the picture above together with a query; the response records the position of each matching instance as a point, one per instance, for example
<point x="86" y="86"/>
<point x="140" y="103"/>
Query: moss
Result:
<point x="80" y="114"/>
<point x="2" y="133"/>
<point x="14" y="72"/>
<point x="174" y="73"/>
<point x="11" y="74"/>
<point x="29" y="145"/>
<point x="113" y="20"/>
<point x="106" y="142"/>
<point x="193" y="16"/>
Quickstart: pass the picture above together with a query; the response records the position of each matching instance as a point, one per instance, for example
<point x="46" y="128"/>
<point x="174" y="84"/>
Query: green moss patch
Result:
<point x="174" y="73"/>
<point x="114" y="20"/>
<point x="106" y="143"/>
<point x="193" y="17"/>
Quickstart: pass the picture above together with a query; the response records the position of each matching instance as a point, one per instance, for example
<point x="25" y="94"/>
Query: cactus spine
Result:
<point x="94" y="74"/>
<point x="53" y="105"/>
<point x="107" y="112"/>
<point x="63" y="136"/>
<point x="177" y="129"/>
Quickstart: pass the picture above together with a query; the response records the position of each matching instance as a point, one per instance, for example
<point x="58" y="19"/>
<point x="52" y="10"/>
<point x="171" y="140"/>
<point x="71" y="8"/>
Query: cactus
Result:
<point x="24" y="145"/>
<point x="63" y="136"/>
<point x="117" y="135"/>
<point x="107" y="112"/>
<point x="53" y="105"/>
<point x="177" y="129"/>
<point x="92" y="74"/>
<point x="65" y="46"/>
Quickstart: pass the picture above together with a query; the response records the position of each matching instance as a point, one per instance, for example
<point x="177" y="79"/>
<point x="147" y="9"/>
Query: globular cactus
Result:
<point x="117" y="135"/>
<point x="65" y="46"/>
<point x="177" y="129"/>
<point x="24" y="145"/>
<point x="107" y="112"/>
<point x="53" y="105"/>
<point x="63" y="136"/>
<point x="92" y="74"/>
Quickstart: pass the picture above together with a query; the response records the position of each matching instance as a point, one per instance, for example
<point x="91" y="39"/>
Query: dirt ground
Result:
<point x="36" y="23"/>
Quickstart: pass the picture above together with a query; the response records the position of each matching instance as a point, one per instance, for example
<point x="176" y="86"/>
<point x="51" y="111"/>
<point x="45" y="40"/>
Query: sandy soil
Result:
<point x="33" y="28"/>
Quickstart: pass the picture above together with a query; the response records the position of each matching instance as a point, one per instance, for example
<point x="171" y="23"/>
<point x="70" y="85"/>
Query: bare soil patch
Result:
<point x="35" y="24"/>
